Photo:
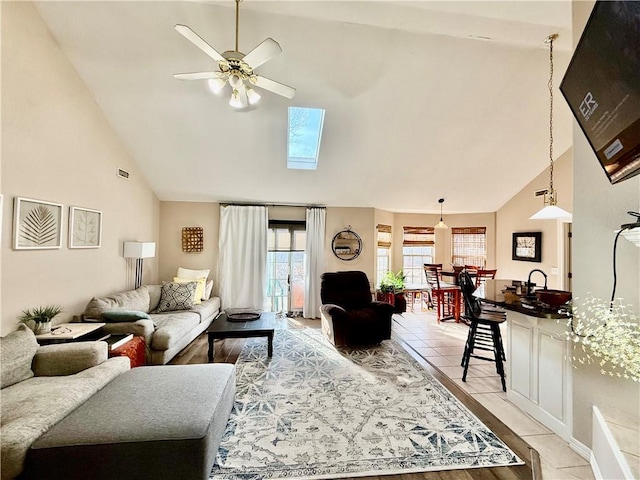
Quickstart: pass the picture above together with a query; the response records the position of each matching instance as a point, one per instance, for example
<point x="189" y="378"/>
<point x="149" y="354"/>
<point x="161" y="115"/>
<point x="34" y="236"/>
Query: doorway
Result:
<point x="285" y="267"/>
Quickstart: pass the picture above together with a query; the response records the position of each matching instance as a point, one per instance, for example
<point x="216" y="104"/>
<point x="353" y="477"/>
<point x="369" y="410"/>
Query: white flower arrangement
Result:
<point x="608" y="334"/>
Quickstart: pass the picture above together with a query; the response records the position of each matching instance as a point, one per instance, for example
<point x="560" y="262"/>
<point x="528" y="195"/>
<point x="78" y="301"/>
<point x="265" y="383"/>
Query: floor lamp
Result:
<point x="139" y="251"/>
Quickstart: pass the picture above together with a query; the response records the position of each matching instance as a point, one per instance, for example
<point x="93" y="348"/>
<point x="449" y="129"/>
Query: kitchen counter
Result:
<point x="538" y="356"/>
<point x="494" y="292"/>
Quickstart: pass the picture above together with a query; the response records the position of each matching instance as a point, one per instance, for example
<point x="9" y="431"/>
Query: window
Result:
<point x="305" y="134"/>
<point x="418" y="248"/>
<point x="383" y="251"/>
<point x="285" y="266"/>
<point x="469" y="246"/>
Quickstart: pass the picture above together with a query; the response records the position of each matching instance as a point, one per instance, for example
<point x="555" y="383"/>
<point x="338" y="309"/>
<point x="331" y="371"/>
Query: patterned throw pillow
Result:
<point x="176" y="296"/>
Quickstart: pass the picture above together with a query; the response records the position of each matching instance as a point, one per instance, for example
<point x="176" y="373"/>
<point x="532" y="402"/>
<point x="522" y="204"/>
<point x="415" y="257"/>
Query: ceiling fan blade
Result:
<point x="198" y="75"/>
<point x="275" y="87"/>
<point x="268" y="49"/>
<point x="194" y="38"/>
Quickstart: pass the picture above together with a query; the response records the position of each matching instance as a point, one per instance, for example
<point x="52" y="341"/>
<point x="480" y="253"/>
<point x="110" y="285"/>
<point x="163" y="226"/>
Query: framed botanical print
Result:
<point x="85" y="228"/>
<point x="37" y="224"/>
<point x="527" y="246"/>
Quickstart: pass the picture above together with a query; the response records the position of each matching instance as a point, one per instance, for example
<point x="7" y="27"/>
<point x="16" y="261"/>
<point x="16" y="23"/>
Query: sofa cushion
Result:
<point x="194" y="275"/>
<point x="176" y="296"/>
<point x="33" y="406"/>
<point x="124" y="315"/>
<point x="171" y="327"/>
<point x="207" y="309"/>
<point x="16" y="354"/>
<point x="131" y="300"/>
<point x="154" y="296"/>
<point x="207" y="290"/>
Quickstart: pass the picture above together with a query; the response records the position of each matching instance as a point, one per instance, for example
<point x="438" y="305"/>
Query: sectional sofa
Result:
<point x="166" y="332"/>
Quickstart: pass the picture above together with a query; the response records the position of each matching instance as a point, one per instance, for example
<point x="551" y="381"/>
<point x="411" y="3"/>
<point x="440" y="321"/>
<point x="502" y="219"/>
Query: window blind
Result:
<point x="418" y="236"/>
<point x="469" y="246"/>
<point x="384" y="235"/>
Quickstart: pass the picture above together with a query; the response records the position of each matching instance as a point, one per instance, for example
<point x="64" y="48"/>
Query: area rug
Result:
<point x="313" y="412"/>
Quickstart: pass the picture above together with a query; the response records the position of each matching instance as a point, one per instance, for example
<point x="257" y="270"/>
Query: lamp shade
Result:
<point x="441" y="224"/>
<point x="552" y="212"/>
<point x="139" y="249"/>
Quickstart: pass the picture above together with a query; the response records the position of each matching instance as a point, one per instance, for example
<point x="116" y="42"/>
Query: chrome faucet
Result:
<point x="529" y="289"/>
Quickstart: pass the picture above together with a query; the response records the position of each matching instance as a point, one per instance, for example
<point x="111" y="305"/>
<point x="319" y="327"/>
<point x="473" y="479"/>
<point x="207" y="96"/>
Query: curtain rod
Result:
<point x="226" y="204"/>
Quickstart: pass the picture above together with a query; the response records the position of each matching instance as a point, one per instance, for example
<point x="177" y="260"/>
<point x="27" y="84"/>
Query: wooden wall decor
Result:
<point x="192" y="239"/>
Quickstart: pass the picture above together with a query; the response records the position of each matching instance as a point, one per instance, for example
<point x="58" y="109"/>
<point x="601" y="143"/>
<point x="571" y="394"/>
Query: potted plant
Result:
<point x="41" y="318"/>
<point x="391" y="287"/>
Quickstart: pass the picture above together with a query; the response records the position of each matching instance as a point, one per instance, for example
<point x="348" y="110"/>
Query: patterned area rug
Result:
<point x="314" y="412"/>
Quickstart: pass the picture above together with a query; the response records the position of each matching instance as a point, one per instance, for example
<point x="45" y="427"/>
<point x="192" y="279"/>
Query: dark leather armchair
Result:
<point x="349" y="315"/>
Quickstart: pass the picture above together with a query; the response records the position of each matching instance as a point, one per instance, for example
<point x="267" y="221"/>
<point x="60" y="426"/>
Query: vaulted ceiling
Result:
<point x="423" y="99"/>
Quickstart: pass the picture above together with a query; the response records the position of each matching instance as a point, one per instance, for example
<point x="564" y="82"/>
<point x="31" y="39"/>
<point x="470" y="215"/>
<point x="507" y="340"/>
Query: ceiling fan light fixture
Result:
<point x="252" y="96"/>
<point x="235" y="101"/>
<point x="235" y="81"/>
<point x="216" y="84"/>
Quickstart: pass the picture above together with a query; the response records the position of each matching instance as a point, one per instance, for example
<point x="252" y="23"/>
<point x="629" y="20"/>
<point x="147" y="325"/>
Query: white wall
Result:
<point x="514" y="217"/>
<point x="57" y="146"/>
<point x="599" y="209"/>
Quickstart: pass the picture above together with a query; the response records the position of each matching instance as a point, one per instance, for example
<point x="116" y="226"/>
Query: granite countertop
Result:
<point x="494" y="292"/>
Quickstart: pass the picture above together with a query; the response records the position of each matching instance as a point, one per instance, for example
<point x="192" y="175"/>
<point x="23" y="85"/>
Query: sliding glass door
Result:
<point x="285" y="267"/>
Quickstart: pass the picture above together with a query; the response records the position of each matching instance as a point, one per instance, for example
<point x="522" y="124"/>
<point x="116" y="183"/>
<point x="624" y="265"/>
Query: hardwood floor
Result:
<point x="227" y="350"/>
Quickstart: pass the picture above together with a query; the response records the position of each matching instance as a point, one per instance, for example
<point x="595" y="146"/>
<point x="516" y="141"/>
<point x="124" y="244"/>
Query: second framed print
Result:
<point x="85" y="228"/>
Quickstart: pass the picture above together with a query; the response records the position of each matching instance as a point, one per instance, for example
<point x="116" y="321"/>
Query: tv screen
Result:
<point x="602" y="86"/>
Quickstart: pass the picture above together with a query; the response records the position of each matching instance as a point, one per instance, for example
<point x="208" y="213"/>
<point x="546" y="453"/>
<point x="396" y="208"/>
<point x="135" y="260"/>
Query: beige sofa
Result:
<point x="42" y="385"/>
<point x="165" y="333"/>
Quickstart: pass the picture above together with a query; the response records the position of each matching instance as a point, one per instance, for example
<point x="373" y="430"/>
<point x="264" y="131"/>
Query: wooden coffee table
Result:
<point x="223" y="328"/>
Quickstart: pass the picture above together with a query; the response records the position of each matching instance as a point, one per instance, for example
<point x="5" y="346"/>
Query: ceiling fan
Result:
<point x="237" y="68"/>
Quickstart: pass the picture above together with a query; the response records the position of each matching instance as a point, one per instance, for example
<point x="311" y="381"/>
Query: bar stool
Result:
<point x="484" y="331"/>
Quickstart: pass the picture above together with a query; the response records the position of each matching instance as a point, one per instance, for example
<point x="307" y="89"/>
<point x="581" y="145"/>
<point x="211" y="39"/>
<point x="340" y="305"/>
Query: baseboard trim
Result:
<point x="580" y="448"/>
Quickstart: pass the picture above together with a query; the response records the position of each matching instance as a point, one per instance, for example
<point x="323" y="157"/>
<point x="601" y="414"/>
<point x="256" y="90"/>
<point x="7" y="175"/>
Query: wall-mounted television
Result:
<point x="602" y="86"/>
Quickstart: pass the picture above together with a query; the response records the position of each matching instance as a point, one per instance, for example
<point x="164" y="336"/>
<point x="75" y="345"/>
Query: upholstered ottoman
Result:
<point x="159" y="422"/>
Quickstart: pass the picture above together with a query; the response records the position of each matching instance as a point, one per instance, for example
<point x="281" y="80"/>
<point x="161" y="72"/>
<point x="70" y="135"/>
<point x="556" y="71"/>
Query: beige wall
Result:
<point x="599" y="209"/>
<point x="514" y="217"/>
<point x="362" y="221"/>
<point x="173" y="217"/>
<point x="57" y="146"/>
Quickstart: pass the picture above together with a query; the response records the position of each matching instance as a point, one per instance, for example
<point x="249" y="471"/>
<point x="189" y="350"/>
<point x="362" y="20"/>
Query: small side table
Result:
<point x="134" y="349"/>
<point x="72" y="332"/>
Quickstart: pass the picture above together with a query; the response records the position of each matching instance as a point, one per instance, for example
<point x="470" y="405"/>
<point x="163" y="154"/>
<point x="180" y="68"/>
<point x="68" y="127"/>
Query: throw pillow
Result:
<point x="192" y="274"/>
<point x="207" y="290"/>
<point x="176" y="296"/>
<point x="199" y="288"/>
<point x="16" y="354"/>
<point x="132" y="300"/>
<point x="124" y="316"/>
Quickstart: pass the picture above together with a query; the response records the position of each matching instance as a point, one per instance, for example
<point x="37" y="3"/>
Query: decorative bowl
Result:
<point x="553" y="298"/>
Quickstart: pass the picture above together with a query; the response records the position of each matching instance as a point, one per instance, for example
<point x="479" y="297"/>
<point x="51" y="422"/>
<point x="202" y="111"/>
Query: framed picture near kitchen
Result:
<point x="527" y="246"/>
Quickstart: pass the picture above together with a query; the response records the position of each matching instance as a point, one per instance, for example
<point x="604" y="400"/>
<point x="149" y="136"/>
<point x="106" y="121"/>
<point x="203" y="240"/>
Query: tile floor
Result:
<point x="442" y="345"/>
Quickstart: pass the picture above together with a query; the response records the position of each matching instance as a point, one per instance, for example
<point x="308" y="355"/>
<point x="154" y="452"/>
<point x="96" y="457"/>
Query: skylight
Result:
<point x="305" y="134"/>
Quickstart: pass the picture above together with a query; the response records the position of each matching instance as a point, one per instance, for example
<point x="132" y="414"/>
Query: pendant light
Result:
<point x="441" y="223"/>
<point x="551" y="211"/>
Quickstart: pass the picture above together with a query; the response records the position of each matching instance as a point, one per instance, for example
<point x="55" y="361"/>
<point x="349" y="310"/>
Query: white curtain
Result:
<point x="243" y="256"/>
<point x="314" y="261"/>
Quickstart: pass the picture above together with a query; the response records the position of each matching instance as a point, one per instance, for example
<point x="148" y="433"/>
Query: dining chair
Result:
<point x="484" y="274"/>
<point x="472" y="268"/>
<point x="484" y="331"/>
<point x="446" y="295"/>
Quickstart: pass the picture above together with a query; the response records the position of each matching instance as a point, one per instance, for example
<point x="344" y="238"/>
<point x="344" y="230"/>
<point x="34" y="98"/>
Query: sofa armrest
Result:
<point x="331" y="310"/>
<point x="68" y="358"/>
<point x="139" y="328"/>
<point x="382" y="308"/>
